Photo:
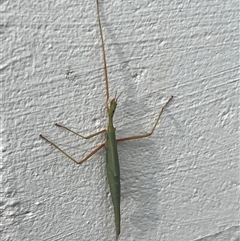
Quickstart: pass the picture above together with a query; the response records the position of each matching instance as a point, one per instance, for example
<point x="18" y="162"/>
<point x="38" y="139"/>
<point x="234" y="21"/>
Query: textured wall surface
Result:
<point x="180" y="184"/>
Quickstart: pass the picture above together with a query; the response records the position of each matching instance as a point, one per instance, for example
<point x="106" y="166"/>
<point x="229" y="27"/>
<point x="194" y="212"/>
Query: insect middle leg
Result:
<point x="147" y="134"/>
<point x="84" y="137"/>
<point x="75" y="133"/>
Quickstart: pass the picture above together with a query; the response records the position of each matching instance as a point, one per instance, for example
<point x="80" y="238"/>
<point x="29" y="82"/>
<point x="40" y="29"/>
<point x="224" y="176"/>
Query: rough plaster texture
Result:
<point x="180" y="184"/>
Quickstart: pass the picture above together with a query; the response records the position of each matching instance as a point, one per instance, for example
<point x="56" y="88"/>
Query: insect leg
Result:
<point x="147" y="134"/>
<point x="71" y="158"/>
<point x="84" y="137"/>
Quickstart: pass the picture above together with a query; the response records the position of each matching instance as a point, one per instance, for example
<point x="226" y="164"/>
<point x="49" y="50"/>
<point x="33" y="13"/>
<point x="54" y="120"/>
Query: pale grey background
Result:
<point x="180" y="184"/>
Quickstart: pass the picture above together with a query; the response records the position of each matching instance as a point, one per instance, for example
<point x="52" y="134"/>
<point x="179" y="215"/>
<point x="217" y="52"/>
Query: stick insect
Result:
<point x="112" y="163"/>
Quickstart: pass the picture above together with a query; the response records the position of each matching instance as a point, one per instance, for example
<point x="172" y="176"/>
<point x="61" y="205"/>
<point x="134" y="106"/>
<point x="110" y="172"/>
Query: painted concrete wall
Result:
<point x="182" y="183"/>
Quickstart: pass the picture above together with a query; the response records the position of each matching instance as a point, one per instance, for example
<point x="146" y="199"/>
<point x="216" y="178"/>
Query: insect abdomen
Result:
<point x="113" y="174"/>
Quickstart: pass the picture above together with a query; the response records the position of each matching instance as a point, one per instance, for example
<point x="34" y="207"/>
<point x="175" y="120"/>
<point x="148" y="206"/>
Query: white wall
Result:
<point x="182" y="183"/>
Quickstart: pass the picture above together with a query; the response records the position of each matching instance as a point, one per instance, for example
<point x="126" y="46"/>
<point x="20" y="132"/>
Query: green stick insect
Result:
<point x="113" y="172"/>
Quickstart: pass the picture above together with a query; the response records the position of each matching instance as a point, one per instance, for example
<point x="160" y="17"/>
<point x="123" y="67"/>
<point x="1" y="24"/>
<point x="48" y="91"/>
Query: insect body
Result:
<point x="113" y="170"/>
